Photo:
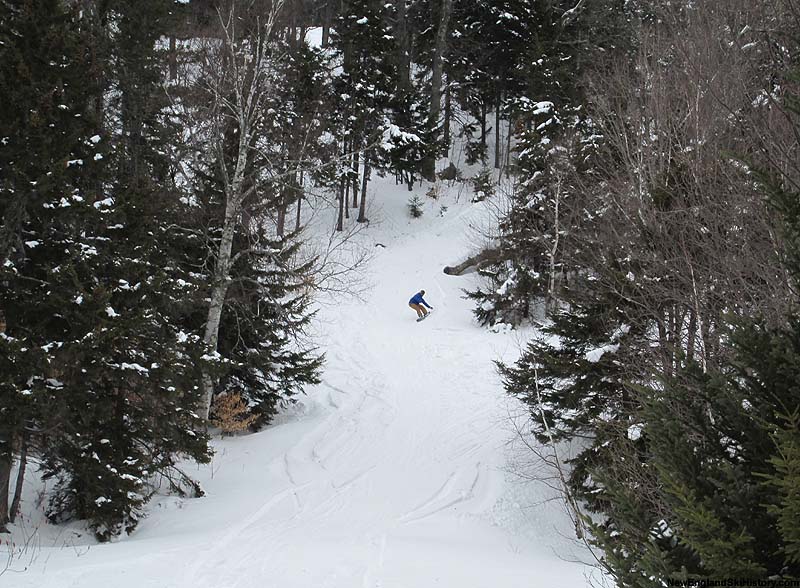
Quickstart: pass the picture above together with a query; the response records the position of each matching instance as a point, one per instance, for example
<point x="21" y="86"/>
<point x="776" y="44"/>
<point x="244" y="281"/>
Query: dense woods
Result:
<point x="651" y="231"/>
<point x="159" y="162"/>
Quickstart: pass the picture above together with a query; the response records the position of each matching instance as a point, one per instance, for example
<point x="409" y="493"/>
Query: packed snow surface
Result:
<point x="395" y="472"/>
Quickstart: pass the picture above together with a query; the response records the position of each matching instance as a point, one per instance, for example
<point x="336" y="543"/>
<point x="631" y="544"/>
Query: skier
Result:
<point x="417" y="302"/>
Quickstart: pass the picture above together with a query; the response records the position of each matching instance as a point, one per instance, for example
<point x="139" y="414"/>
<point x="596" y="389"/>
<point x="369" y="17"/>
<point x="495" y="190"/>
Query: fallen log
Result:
<point x="478" y="261"/>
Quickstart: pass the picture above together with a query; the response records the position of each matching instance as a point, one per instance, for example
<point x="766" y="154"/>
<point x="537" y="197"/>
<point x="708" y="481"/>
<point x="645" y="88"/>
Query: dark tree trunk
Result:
<point x="173" y="58"/>
<point x="497" y="131"/>
<point x="281" y="221"/>
<point x="429" y="163"/>
<point x="6" y="461"/>
<point x="691" y="336"/>
<point x="663" y="339"/>
<point x="508" y="143"/>
<point x="448" y="112"/>
<point x="483" y="123"/>
<point x="23" y="464"/>
<point x="403" y="48"/>
<point x="291" y="29"/>
<point x="356" y="165"/>
<point x="340" y="219"/>
<point x="300" y="196"/>
<point x="346" y="193"/>
<point x="327" y="19"/>
<point x="362" y="218"/>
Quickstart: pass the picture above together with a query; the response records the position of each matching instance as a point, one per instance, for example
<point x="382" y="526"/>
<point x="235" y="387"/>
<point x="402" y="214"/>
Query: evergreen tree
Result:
<point x="555" y="152"/>
<point x="262" y="334"/>
<point x="364" y="41"/>
<point x="534" y="230"/>
<point x="409" y="138"/>
<point x="263" y="355"/>
<point x="296" y="118"/>
<point x="686" y="409"/>
<point x="489" y="41"/>
<point x="718" y="451"/>
<point x="723" y="443"/>
<point x="51" y="154"/>
<point x="575" y="379"/>
<point x="98" y="290"/>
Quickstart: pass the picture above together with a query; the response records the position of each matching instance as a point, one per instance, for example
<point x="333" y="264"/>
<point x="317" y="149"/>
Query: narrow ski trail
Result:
<point x="393" y="476"/>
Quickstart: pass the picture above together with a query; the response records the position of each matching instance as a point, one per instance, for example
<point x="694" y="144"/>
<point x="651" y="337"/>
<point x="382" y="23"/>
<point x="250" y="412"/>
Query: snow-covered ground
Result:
<point x="392" y="473"/>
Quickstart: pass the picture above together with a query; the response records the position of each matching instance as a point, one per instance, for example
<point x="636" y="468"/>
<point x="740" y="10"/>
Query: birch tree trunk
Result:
<point x="238" y="88"/>
<point x="219" y="291"/>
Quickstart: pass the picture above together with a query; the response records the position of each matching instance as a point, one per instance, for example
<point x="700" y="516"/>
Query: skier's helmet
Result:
<point x="422" y="292"/>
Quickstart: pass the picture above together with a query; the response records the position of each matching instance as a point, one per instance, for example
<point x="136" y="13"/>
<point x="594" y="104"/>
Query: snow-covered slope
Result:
<point x="391" y="474"/>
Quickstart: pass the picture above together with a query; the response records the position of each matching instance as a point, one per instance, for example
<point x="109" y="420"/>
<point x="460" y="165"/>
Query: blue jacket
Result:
<point x="418" y="299"/>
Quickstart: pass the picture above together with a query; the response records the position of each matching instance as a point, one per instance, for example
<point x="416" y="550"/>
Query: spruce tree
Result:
<point x="297" y="116"/>
<point x="724" y="443"/>
<point x="263" y="354"/>
<point x="555" y="148"/>
<point x="689" y="459"/>
<point x="120" y="381"/>
<point x="574" y="379"/>
<point x="533" y="232"/>
<point x="52" y="157"/>
<point x="367" y="85"/>
<point x="262" y="336"/>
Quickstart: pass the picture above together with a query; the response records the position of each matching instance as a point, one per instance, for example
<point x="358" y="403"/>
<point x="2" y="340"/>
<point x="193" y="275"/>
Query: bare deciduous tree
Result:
<point x="237" y="81"/>
<point x="679" y="209"/>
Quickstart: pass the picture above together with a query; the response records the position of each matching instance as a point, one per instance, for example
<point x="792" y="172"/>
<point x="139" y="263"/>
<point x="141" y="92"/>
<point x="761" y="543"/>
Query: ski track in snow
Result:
<point x="392" y="477"/>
